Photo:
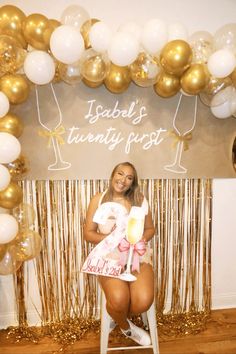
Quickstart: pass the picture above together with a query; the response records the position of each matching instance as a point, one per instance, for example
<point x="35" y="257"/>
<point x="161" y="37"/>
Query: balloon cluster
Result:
<point x="40" y="50"/>
<point x="18" y="242"/>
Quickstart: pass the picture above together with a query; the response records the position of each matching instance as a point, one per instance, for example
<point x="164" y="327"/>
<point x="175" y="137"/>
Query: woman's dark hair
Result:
<point x="133" y="194"/>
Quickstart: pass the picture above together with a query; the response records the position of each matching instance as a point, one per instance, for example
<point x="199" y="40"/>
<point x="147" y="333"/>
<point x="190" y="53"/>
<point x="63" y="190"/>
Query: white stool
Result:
<point x="149" y="320"/>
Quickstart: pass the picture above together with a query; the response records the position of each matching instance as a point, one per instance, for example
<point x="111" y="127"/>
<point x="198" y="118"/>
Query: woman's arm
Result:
<point x="149" y="230"/>
<point x="91" y="233"/>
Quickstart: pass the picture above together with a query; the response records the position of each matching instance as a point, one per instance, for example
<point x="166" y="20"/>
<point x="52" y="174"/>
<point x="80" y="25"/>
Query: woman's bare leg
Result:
<point x="117" y="295"/>
<point x="142" y="290"/>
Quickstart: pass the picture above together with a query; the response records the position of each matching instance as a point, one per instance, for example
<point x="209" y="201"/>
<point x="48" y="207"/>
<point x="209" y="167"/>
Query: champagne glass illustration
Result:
<point x="181" y="140"/>
<point x="134" y="233"/>
<point x="53" y="134"/>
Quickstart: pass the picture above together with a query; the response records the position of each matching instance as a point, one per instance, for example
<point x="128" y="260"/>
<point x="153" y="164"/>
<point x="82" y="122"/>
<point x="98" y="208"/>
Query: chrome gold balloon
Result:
<point x="15" y="87"/>
<point x="34" y="28"/>
<point x="11" y="196"/>
<point x="11" y="124"/>
<point x="11" y="21"/>
<point x="167" y="85"/>
<point x="195" y="79"/>
<point x="118" y="78"/>
<point x="176" y="57"/>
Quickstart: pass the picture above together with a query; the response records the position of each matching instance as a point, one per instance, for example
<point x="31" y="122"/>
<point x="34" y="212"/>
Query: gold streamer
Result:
<point x="70" y="300"/>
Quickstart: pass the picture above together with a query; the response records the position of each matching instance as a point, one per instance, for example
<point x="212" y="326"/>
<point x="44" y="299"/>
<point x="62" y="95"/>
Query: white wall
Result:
<point x="224" y="243"/>
<point x="195" y="15"/>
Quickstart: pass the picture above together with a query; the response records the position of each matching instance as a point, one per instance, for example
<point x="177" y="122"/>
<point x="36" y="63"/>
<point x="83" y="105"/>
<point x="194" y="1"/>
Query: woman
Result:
<point x="125" y="298"/>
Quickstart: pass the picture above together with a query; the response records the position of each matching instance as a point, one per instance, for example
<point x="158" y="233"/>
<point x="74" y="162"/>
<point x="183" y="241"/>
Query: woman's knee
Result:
<point x="118" y="302"/>
<point x="141" y="302"/>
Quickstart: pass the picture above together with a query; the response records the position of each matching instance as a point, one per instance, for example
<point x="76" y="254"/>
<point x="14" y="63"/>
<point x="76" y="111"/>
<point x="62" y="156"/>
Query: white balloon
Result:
<point x="225" y="37"/>
<point x="177" y="31"/>
<point x="4" y="104"/>
<point x="154" y="36"/>
<point x="100" y="37"/>
<point x="131" y="27"/>
<point x="66" y="44"/>
<point x="74" y="15"/>
<point x="5" y="177"/>
<point x="39" y="67"/>
<point x="8" y="228"/>
<point x="10" y="147"/>
<point x="123" y="49"/>
<point x="4" y="211"/>
<point x="233" y="102"/>
<point x="223" y="104"/>
<point x="221" y="63"/>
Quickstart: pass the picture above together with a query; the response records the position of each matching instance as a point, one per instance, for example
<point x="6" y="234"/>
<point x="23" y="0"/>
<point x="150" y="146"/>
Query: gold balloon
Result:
<point x="94" y="66"/>
<point x="214" y="85"/>
<point x="53" y="24"/>
<point x="11" y="20"/>
<point x="12" y="55"/>
<point x="92" y="84"/>
<point x="3" y="249"/>
<point x="33" y="28"/>
<point x="8" y="264"/>
<point x="118" y="78"/>
<point x="195" y="79"/>
<point x="25" y="215"/>
<point x="57" y="76"/>
<point x="18" y="168"/>
<point x="15" y="87"/>
<point x="233" y="77"/>
<point x="144" y="70"/>
<point x="70" y="73"/>
<point x="84" y="30"/>
<point x="27" y="245"/>
<point x="167" y="85"/>
<point x="176" y="57"/>
<point x="11" y="124"/>
<point x="11" y="196"/>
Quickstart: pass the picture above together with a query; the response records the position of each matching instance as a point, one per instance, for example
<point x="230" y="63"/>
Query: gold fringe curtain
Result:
<point x="181" y="212"/>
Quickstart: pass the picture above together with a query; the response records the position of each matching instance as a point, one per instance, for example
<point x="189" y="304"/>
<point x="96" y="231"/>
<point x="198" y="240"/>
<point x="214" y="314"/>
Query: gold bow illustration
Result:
<point x="53" y="134"/>
<point x="181" y="138"/>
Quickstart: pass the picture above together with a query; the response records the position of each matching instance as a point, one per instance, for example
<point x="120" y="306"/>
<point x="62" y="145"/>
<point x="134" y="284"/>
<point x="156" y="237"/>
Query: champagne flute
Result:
<point x="53" y="131"/>
<point x="134" y="233"/>
<point x="176" y="166"/>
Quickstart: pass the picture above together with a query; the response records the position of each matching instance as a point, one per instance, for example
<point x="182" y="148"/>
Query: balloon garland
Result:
<point x="37" y="50"/>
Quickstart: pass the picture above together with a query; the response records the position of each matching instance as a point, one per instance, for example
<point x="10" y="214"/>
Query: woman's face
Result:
<point x="123" y="179"/>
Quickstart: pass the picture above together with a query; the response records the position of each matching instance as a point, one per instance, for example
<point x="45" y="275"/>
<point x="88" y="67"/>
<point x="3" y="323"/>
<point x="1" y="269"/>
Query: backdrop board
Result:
<point x="77" y="132"/>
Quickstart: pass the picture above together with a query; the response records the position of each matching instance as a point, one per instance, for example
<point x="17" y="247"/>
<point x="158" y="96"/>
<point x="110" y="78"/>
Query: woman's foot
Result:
<point x="137" y="334"/>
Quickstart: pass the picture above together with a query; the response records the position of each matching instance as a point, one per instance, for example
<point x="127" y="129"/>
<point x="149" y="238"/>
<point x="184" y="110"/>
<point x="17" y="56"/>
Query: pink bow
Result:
<point x="139" y="250"/>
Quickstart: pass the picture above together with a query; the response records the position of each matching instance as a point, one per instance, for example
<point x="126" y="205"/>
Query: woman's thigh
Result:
<point x="142" y="290"/>
<point x="116" y="291"/>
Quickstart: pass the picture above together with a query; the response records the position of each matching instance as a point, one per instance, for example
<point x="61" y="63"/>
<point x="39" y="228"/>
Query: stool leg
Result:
<point x="145" y="320"/>
<point x="105" y="325"/>
<point x="151" y="315"/>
